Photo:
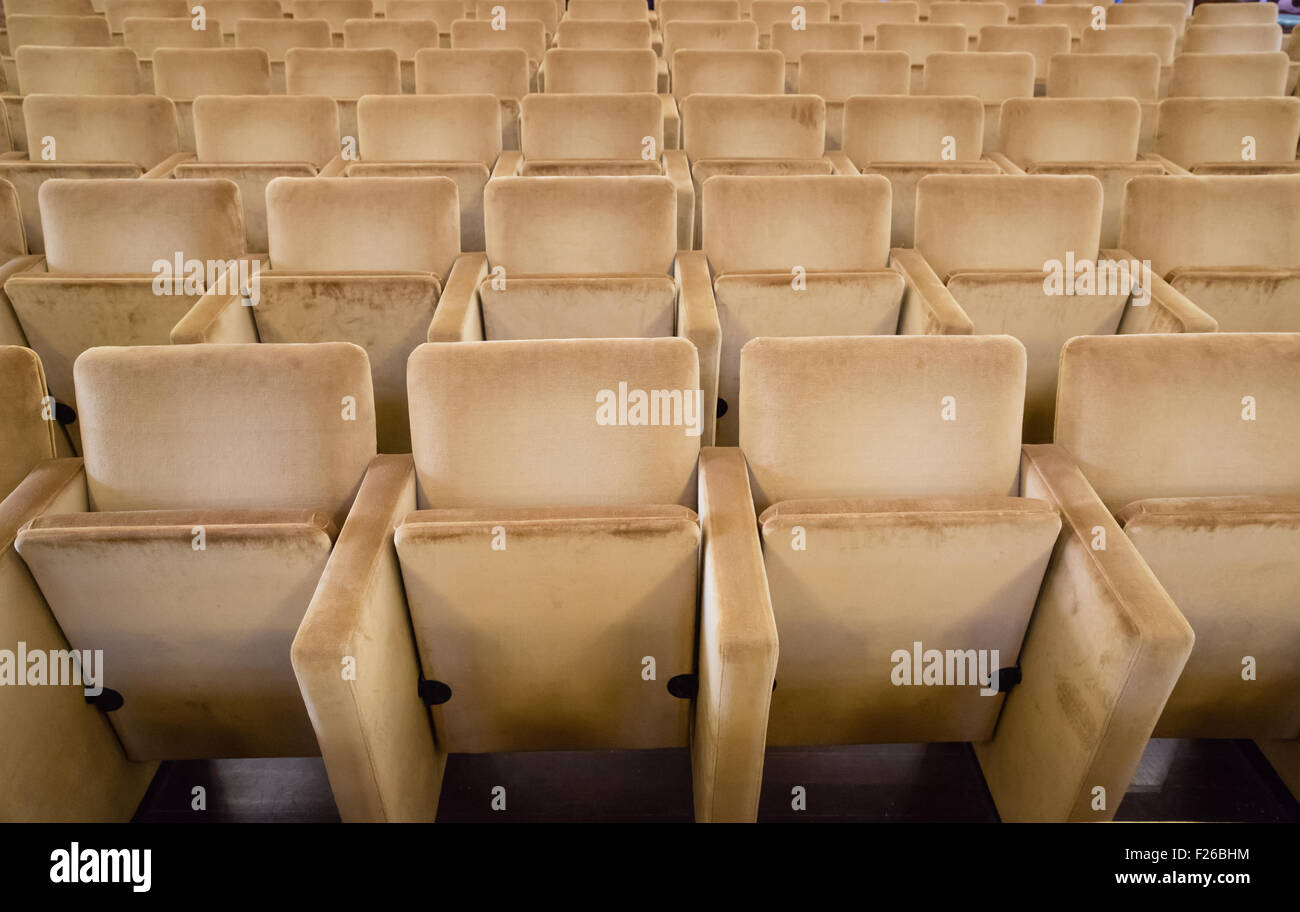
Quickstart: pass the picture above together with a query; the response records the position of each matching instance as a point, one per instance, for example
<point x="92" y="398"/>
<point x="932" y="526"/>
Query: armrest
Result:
<point x="1166" y="310"/>
<point x="375" y="733"/>
<point x="738" y="645"/>
<point x="458" y="317"/>
<point x="334" y="167"/>
<point x="928" y="306"/>
<point x="840" y="163"/>
<point x="1165" y="163"/>
<point x="218" y="316"/>
<point x="509" y="164"/>
<point x="11" y="331"/>
<point x="1104" y="649"/>
<point x="678" y="169"/>
<point x="697" y="322"/>
<point x="1006" y="164"/>
<point x="164" y="168"/>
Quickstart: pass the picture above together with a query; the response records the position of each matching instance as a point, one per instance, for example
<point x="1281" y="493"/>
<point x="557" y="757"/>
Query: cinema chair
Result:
<point x="793" y="43"/>
<point x="501" y="72"/>
<point x="108" y="276"/>
<point x="722" y="35"/>
<point x="604" y="34"/>
<point x="49" y="8"/>
<point x="253" y="139"/>
<point x="52" y="31"/>
<point x="599" y="71"/>
<point x="66" y="71"/>
<point x="527" y="34"/>
<point x="118" y="11"/>
<point x="1229" y="135"/>
<point x="1021" y="254"/>
<point x="1173" y="15"/>
<point x="716" y="72"/>
<point x="756" y="134"/>
<point x="1042" y="41"/>
<point x="1077" y="17"/>
<point x="766" y="13"/>
<point x="874" y="460"/>
<point x="278" y="36"/>
<point x="1232" y="255"/>
<point x="920" y="41"/>
<point x="826" y="273"/>
<point x="712" y="11"/>
<point x="214" y="482"/>
<point x="1222" y="541"/>
<point x="991" y="76"/>
<point x="1258" y="38"/>
<point x="344" y="74"/>
<point x="1097" y="136"/>
<point x="1229" y="75"/>
<point x="906" y="137"/>
<point x="836" y="76"/>
<point x="970" y="13"/>
<point x="1160" y="40"/>
<point x="26" y="418"/>
<point x="146" y="35"/>
<point x="226" y="13"/>
<point x="359" y="260"/>
<point x="583" y="257"/>
<point x="443" y="12"/>
<point x="1111" y="76"/>
<point x="546" y="12"/>
<point x="183" y="74"/>
<point x="405" y="36"/>
<point x="1234" y="14"/>
<point x="871" y="13"/>
<point x="601" y="545"/>
<point x="335" y="12"/>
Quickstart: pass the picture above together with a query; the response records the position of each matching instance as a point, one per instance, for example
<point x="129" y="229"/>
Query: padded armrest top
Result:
<point x="544" y="514"/>
<point x="984" y="503"/>
<point x="1218" y="508"/>
<point x="139" y="519"/>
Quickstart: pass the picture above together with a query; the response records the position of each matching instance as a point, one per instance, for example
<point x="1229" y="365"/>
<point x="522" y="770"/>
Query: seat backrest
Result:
<point x="405" y="36"/>
<point x="266" y="128"/>
<point x="766" y="13"/>
<point x="970" y="13"/>
<point x="342" y="72"/>
<point x="862" y="416"/>
<point x="225" y="426"/>
<point x="77" y="70"/>
<point x="227" y="12"/>
<point x="1077" y="17"/>
<point x="1229" y="220"/>
<point x="544" y="11"/>
<point x="434" y="128"/>
<point x="697" y="71"/>
<point x="372" y="224"/>
<point x="1190" y="131"/>
<point x="278" y="36"/>
<point x="612" y="10"/>
<point x="529" y="34"/>
<point x="443" y="12"/>
<point x="608" y="34"/>
<point x="187" y="73"/>
<point x="140" y="129"/>
<point x="1229" y="75"/>
<point x="1070" y="129"/>
<point x="502" y="72"/>
<point x="48" y="8"/>
<point x="1171" y="14"/>
<point x="991" y="76"/>
<point x="1234" y="13"/>
<point x="1131" y="39"/>
<point x="335" y="12"/>
<point x="912" y="128"/>
<point x="124" y="227"/>
<point x="601" y="71"/>
<point x="837" y="75"/>
<point x="118" y="11"/>
<point x="58" y="31"/>
<point x="534" y="435"/>
<point x="871" y="13"/>
<point x="968" y="222"/>
<point x="815" y="36"/>
<point x="1161" y="415"/>
<point x="822" y="223"/>
<point x="26" y="436"/>
<point x="920" y="40"/>
<point x="1043" y="41"/>
<point x="581" y="225"/>
<point x="728" y="35"/>
<point x="576" y="126"/>
<point x="696" y="10"/>
<point x="1104" y="76"/>
<point x="753" y="126"/>
<point x="1233" y="39"/>
<point x="13" y="234"/>
<point x="144" y="36"/>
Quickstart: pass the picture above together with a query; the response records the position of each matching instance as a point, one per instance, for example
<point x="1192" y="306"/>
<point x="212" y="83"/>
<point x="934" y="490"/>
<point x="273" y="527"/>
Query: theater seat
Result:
<point x="1111" y="76"/>
<point x="359" y="260"/>
<point x="1173" y="15"/>
<point x="871" y="13"/>
<point x="991" y="76"/>
<point x="214" y="481"/>
<point x="793" y="43"/>
<point x="1232" y="255"/>
<point x="1229" y="75"/>
<point x="1234" y="13"/>
<point x="500" y="72"/>
<point x="443" y="12"/>
<point x="901" y="519"/>
<point x="27" y="419"/>
<point x="526" y="34"/>
<point x="1256" y="38"/>
<point x="14" y="258"/>
<point x="405" y="36"/>
<point x="1229" y="135"/>
<point x="604" y="34"/>
<point x="708" y="35"/>
<point x="767" y="13"/>
<point x="335" y="12"/>
<point x="920" y="40"/>
<point x="1021" y="254"/>
<point x="344" y="74"/>
<point x="183" y="74"/>
<point x="1042" y="41"/>
<point x="144" y="36"/>
<point x="1077" y="17"/>
<point x="278" y="36"/>
<point x="1160" y="40"/>
<point x="118" y="11"/>
<point x="226" y="13"/>
<point x="836" y="76"/>
<point x="973" y="14"/>
<point x="109" y="273"/>
<point x="1212" y="505"/>
<point x="66" y="71"/>
<point x="607" y="71"/>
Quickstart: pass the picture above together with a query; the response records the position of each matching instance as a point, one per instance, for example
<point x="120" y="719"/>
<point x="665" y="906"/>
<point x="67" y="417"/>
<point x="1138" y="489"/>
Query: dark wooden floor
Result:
<point x="1178" y="780"/>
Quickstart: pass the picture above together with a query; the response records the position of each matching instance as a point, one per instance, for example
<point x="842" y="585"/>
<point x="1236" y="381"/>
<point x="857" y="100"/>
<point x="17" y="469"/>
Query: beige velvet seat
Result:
<point x="526" y="34"/>
<point x="583" y="257"/>
<point x="695" y="11"/>
<point x="1160" y="13"/>
<point x="991" y="76"/>
<point x="358" y="259"/>
<point x="1229" y="75"/>
<point x="906" y="137"/>
<point x="1233" y="254"/>
<point x="1097" y="136"/>
<point x="502" y="73"/>
<point x="1160" y="40"/>
<point x="1234" y="13"/>
<point x="1042" y="41"/>
<point x="577" y="631"/>
<point x="546" y="12"/>
<point x="14" y="258"/>
<point x="66" y="71"/>
<point x="228" y="12"/>
<point x="1222" y="541"/>
<point x="755" y="134"/>
<point x="875" y="461"/>
<point x="1261" y="37"/>
<point x="118" y="11"/>
<point x="767" y="13"/>
<point x="49" y="8"/>
<point x="335" y="12"/>
<point x="920" y="40"/>
<point x="253" y="139"/>
<point x="183" y="74"/>
<point x="971" y="13"/>
<point x="201" y="518"/>
<point x="278" y="36"/>
<point x="1111" y="76"/>
<point x="146" y="35"/>
<point x="836" y="76"/>
<point x="109" y="273"/>
<point x="825" y="273"/>
<point x="405" y="36"/>
<point x="813" y="36"/>
<point x="612" y="71"/>
<point x="443" y="12"/>
<point x="1229" y="135"/>
<point x="1021" y="254"/>
<point x="604" y="34"/>
<point x="27" y="420"/>
<point x="344" y="74"/>
<point x="1077" y="17"/>
<point x="708" y="35"/>
<point x="89" y="136"/>
<point x="871" y="13"/>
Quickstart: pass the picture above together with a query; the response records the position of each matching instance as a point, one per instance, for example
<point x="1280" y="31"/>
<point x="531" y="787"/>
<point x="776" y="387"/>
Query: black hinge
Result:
<point x="107" y="700"/>
<point x="64" y="414"/>
<point x="1008" y="678"/>
<point x="433" y="693"/>
<point x="684" y="687"/>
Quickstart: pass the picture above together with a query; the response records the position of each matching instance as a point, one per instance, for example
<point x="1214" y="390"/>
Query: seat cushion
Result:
<point x="576" y="307"/>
